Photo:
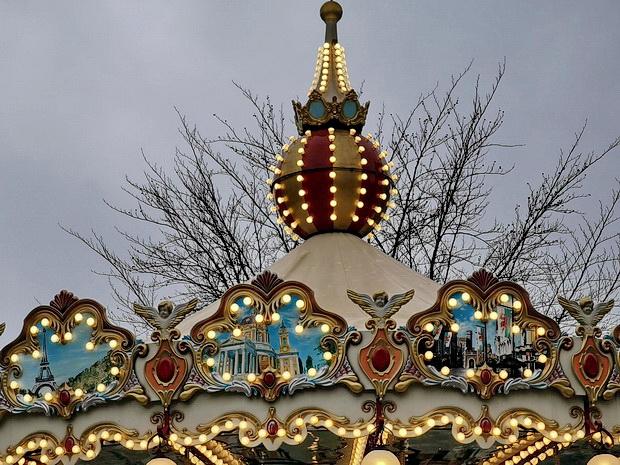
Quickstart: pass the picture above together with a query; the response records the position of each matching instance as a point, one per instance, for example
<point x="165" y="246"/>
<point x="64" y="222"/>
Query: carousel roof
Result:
<point x="331" y="263"/>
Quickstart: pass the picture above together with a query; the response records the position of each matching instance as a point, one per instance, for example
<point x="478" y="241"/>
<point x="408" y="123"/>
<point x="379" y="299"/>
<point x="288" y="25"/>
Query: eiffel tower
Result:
<point x="46" y="377"/>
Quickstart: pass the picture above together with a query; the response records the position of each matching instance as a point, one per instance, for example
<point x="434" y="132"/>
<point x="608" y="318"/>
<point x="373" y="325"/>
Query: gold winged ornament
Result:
<point x="585" y="311"/>
<point x="167" y="316"/>
<point x="379" y="306"/>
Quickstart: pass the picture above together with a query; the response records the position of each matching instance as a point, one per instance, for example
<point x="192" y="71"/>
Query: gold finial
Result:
<point x="331" y="12"/>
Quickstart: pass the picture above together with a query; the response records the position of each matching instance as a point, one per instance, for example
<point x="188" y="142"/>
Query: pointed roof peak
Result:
<point x="331" y="100"/>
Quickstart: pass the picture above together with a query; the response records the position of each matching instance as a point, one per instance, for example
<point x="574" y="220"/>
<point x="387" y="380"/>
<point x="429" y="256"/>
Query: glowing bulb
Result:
<point x="327" y="356"/>
<point x="36" y="354"/>
<point x="493" y="315"/>
<point x="100" y="387"/>
<point x="286" y="375"/>
<point x="299" y="329"/>
<point x="113" y="343"/>
<point x="226" y="376"/>
<point x="477" y="314"/>
<point x="211" y="334"/>
<point x="309" y="219"/>
<point x="237" y="332"/>
<point x="428" y="355"/>
<point x="470" y="373"/>
<point x="542" y="358"/>
<point x="259" y="318"/>
<point x="55" y="338"/>
<point x="517" y="305"/>
<point x="45" y="322"/>
<point x="333" y="189"/>
<point x="454" y="327"/>
<point x="452" y="302"/>
<point x="541" y="331"/>
<point x="312" y="372"/>
<point x="429" y="327"/>
<point x="503" y="374"/>
<point x="515" y="329"/>
<point x="445" y="371"/>
<point x="527" y="373"/>
<point x="114" y="371"/>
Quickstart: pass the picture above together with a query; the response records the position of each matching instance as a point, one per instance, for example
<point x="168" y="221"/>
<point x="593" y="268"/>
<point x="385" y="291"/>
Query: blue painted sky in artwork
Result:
<point x="65" y="360"/>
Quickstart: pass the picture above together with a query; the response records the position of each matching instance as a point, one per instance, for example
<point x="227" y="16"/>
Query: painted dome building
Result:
<point x="337" y="354"/>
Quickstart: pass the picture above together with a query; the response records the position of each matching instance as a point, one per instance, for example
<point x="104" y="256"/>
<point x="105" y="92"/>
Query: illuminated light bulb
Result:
<point x="14" y="385"/>
<point x="300" y="304"/>
<point x="55" y="338"/>
<point x="298" y="438"/>
<point x="527" y="421"/>
<point x="14" y="358"/>
<point x="332" y="147"/>
<point x="542" y="358"/>
<point x="512" y="438"/>
<point x="477" y="314"/>
<point x="357" y="433"/>
<point x="333" y="189"/>
<point x="364" y="176"/>
<point x="27" y="398"/>
<point x="383" y="196"/>
<point x="325" y="328"/>
<point x="90" y="453"/>
<point x="299" y="178"/>
<point x="100" y="387"/>
<point x="113" y="343"/>
<point x="273" y="209"/>
<point x="363" y="161"/>
<point x="385" y="168"/>
<point x="470" y="373"/>
<point x="245" y="440"/>
<point x="332" y="174"/>
<point x="361" y="149"/>
<point x="299" y="329"/>
<point x="105" y="435"/>
<point x="454" y="327"/>
<point x="580" y="434"/>
<point x="445" y="371"/>
<point x="496" y="431"/>
<point x="280" y="200"/>
<point x="333" y="203"/>
<point x="331" y="130"/>
<point x="129" y="444"/>
<point x="286" y="375"/>
<point x="300" y="163"/>
<point x="333" y="217"/>
<point x="277" y="186"/>
<point x="515" y="329"/>
<point x="541" y="331"/>
<point x="428" y="327"/>
<point x="34" y="330"/>
<point x="309" y="219"/>
<point x="355" y="218"/>
<point x="299" y="421"/>
<point x="477" y="430"/>
<point x="503" y="374"/>
<point x="568" y="437"/>
<point x="370" y="221"/>
<point x="466" y="297"/>
<point x="118" y="437"/>
<point x="294" y="224"/>
<point x="59" y="450"/>
<point x="281" y="432"/>
<point x="301" y="192"/>
<point x="243" y="424"/>
<point x="428" y="355"/>
<point x="540" y="426"/>
<point x="517" y="305"/>
<point x="304" y="206"/>
<point x="493" y="315"/>
<point x="327" y="356"/>
<point x="280" y="220"/>
<point x="286" y="212"/>
<point x="452" y="302"/>
<point x="36" y="354"/>
<point x="211" y="334"/>
<point x="251" y="377"/>
<point x="430" y="422"/>
<point x="78" y="393"/>
<point x="259" y="318"/>
<point x="215" y="429"/>
<point x="378" y="209"/>
<point x="237" y="332"/>
<point x="331" y="138"/>
<point x="527" y="373"/>
<point x="312" y="372"/>
<point x="275" y="317"/>
<point x="460" y="436"/>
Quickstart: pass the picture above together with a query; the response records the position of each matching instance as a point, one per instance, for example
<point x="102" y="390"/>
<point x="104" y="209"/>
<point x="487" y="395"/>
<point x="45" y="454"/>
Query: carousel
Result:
<point x="336" y="354"/>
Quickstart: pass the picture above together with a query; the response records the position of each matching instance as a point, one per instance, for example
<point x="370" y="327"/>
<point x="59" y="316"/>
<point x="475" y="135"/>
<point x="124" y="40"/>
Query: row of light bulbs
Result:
<point x="323" y="66"/>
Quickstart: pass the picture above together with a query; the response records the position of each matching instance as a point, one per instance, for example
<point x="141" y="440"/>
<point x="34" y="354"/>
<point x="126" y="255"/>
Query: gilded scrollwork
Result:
<point x="36" y="376"/>
<point x="236" y="348"/>
<point x="483" y="335"/>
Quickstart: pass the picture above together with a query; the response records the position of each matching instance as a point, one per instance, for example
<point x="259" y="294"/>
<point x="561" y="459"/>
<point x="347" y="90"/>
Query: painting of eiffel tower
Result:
<point x="45" y="379"/>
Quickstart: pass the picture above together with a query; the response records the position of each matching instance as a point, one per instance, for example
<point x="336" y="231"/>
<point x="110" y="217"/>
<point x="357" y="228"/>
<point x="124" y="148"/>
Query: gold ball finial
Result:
<point x="331" y="11"/>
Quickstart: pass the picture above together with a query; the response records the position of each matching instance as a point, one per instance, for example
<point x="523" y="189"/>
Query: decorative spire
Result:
<point x="332" y="178"/>
<point x="331" y="101"/>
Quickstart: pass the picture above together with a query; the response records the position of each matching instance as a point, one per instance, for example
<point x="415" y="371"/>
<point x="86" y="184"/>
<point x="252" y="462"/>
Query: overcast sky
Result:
<point x="86" y="85"/>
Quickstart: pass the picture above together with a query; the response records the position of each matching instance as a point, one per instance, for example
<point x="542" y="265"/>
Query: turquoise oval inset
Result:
<point x="349" y="109"/>
<point x="317" y="109"/>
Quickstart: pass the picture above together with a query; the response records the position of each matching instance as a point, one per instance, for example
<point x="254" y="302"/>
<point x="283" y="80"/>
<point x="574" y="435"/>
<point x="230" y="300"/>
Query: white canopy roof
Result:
<point x="331" y="263"/>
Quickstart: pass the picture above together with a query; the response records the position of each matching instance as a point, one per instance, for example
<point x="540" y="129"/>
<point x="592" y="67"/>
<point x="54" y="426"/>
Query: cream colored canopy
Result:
<point x="331" y="263"/>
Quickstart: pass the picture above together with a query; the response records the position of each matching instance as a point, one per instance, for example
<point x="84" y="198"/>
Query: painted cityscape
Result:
<point x="71" y="363"/>
<point x="477" y="343"/>
<point x="279" y="345"/>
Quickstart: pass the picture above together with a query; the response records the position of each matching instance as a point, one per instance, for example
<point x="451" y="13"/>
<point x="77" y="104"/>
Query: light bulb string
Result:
<point x="599" y="438"/>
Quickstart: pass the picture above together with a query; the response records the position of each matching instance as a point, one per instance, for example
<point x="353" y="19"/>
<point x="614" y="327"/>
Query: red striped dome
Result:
<point x="332" y="180"/>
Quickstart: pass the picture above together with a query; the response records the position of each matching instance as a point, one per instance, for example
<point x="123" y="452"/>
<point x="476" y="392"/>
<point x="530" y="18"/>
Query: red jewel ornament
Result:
<point x="380" y="359"/>
<point x="64" y="397"/>
<point x="486" y="425"/>
<point x="69" y="443"/>
<point x="272" y="427"/>
<point x="591" y="367"/>
<point x="269" y="379"/>
<point x="485" y="376"/>
<point x="165" y="369"/>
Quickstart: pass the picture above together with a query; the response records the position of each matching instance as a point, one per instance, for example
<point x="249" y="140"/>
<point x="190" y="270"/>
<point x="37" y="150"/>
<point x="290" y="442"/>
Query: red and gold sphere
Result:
<point x="332" y="180"/>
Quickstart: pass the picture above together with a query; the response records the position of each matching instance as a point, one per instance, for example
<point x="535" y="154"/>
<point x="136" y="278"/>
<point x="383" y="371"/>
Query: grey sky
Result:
<point x="85" y="85"/>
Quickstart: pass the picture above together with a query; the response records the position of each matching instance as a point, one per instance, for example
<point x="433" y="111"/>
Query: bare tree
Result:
<point x="214" y="225"/>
